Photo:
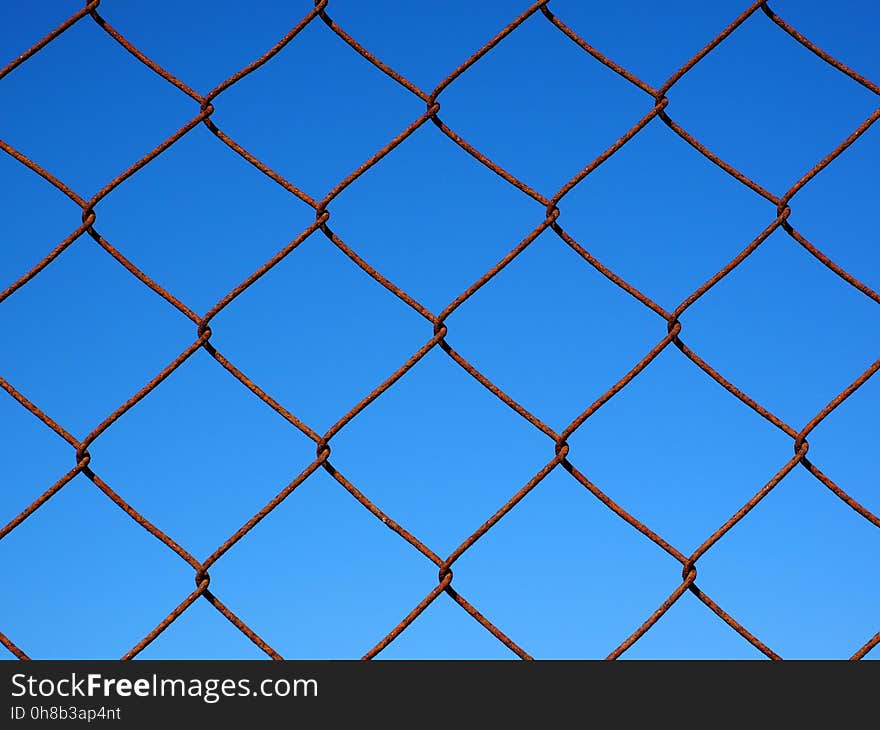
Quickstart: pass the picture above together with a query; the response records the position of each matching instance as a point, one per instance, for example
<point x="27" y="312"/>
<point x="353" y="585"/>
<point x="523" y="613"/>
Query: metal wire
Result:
<point x="560" y="451"/>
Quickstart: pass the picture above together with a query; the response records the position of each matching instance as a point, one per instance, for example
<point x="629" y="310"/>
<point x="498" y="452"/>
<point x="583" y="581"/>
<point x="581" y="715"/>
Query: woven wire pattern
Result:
<point x="553" y="221"/>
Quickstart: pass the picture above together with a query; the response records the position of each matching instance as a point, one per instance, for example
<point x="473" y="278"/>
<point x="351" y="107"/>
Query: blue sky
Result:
<point x="560" y="574"/>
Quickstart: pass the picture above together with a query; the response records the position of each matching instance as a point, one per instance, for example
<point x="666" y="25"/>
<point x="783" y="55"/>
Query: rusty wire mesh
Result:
<point x="560" y="458"/>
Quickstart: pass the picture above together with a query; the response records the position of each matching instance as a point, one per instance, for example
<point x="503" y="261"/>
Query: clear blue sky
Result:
<point x="321" y="577"/>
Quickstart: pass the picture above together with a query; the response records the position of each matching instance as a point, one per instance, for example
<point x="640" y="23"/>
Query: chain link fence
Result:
<point x="668" y="321"/>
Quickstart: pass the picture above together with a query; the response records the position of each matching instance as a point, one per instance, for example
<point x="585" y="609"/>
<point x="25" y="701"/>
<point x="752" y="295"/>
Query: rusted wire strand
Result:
<point x="551" y="220"/>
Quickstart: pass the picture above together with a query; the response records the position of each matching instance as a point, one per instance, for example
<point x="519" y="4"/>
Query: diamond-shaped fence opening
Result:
<point x="87" y="340"/>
